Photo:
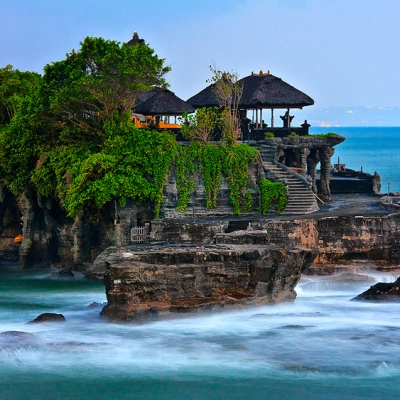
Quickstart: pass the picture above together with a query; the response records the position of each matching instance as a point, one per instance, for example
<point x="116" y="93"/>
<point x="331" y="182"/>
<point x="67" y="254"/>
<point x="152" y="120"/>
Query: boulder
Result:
<point x="48" y="317"/>
<point x="385" y="292"/>
<point x="17" y="335"/>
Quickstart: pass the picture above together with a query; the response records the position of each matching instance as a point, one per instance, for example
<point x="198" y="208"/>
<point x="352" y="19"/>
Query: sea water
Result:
<point x="322" y="346"/>
<point x="370" y="148"/>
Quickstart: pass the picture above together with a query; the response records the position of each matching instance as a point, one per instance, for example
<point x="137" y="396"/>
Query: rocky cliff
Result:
<point x="49" y="236"/>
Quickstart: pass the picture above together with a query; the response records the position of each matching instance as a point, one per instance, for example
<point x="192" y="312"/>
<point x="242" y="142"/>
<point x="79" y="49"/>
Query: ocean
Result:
<point x="372" y="148"/>
<point x="322" y="346"/>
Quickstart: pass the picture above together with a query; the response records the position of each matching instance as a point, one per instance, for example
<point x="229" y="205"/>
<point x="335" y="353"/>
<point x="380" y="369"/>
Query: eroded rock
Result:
<point x="385" y="292"/>
<point x="161" y="281"/>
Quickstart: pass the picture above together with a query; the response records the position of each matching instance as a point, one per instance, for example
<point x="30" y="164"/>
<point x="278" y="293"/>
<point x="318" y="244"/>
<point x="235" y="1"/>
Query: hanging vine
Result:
<point x="214" y="161"/>
<point x="236" y="161"/>
<point x="272" y="193"/>
<point x="211" y="164"/>
<point x="185" y="172"/>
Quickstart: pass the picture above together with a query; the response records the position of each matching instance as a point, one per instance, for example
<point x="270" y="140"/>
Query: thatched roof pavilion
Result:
<point x="162" y="102"/>
<point x="260" y="91"/>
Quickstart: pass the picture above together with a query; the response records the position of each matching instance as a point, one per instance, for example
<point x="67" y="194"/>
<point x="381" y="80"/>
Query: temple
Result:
<point x="261" y="92"/>
<point x="289" y="154"/>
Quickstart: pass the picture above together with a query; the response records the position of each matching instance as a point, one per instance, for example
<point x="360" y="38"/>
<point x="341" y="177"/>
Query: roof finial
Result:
<point x="261" y="72"/>
<point x="268" y="73"/>
<point x="135" y="39"/>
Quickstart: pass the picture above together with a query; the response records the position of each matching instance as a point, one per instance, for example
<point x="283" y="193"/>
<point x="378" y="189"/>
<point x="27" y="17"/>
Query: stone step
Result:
<point x="301" y="199"/>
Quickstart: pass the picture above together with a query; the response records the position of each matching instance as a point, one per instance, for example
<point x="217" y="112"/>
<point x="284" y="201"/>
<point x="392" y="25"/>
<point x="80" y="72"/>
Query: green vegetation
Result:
<point x="326" y="135"/>
<point x="214" y="162"/>
<point x="272" y="194"/>
<point x="269" y="135"/>
<point x="68" y="134"/>
<point x="228" y="92"/>
<point x="293" y="134"/>
<point x="201" y="126"/>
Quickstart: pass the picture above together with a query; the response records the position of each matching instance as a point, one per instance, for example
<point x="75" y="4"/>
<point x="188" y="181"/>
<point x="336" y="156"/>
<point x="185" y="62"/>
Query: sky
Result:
<point x="341" y="52"/>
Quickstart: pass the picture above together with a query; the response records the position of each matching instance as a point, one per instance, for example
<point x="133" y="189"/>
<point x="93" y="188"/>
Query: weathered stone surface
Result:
<point x="337" y="239"/>
<point x="384" y="292"/>
<point x="178" y="231"/>
<point x="9" y="225"/>
<point x="157" y="281"/>
<point x="48" y="317"/>
<point x="49" y="236"/>
<point x="99" y="267"/>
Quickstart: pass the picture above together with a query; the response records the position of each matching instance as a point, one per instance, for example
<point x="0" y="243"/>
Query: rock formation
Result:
<point x="383" y="292"/>
<point x="48" y="317"/>
<point x="156" y="281"/>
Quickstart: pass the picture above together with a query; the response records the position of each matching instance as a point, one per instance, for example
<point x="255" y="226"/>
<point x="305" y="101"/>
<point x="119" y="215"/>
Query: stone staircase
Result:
<point x="301" y="199"/>
<point x="268" y="151"/>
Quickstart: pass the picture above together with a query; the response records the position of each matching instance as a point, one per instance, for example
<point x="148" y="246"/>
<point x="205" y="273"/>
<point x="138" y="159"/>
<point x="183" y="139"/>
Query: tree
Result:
<point x="228" y="92"/>
<point x="62" y="121"/>
<point x="202" y="126"/>
<point x="98" y="82"/>
<point x="14" y="86"/>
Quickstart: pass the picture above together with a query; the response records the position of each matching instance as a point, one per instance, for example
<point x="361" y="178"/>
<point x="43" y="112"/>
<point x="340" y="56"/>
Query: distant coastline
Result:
<point x="365" y="116"/>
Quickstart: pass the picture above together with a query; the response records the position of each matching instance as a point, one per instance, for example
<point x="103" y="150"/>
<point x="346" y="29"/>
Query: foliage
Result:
<point x="185" y="172"/>
<point x="272" y="193"/>
<point x="293" y="134"/>
<point x="214" y="161"/>
<point x="235" y="165"/>
<point x="68" y="135"/>
<point x="228" y="92"/>
<point x="212" y="158"/>
<point x="201" y="126"/>
<point x="269" y="135"/>
<point x="326" y="135"/>
<point x="14" y="86"/>
<point x="99" y="81"/>
<point x="132" y="164"/>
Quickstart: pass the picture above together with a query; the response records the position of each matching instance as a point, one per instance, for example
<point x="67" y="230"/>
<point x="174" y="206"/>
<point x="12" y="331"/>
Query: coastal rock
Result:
<point x="383" y="292"/>
<point x="158" y="281"/>
<point x="15" y="339"/>
<point x="17" y="335"/>
<point x="48" y="317"/>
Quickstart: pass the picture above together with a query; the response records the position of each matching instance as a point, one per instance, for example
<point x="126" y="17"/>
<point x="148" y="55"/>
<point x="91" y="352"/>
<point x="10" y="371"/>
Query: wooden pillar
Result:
<point x="272" y="117"/>
<point x="256" y="117"/>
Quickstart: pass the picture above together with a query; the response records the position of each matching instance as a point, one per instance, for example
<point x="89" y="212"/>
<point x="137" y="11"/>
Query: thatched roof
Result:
<point x="162" y="102"/>
<point x="135" y="39"/>
<point x="264" y="90"/>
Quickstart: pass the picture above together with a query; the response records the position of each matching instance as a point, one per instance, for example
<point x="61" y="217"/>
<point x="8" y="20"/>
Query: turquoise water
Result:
<point x="372" y="148"/>
<point x="322" y="346"/>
